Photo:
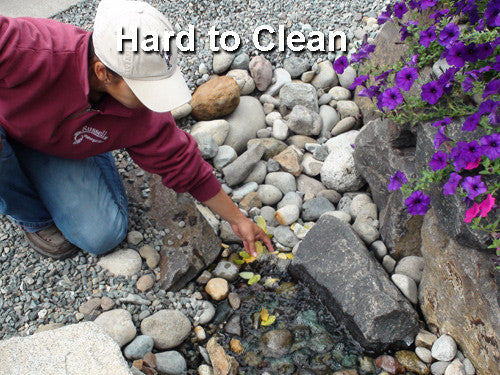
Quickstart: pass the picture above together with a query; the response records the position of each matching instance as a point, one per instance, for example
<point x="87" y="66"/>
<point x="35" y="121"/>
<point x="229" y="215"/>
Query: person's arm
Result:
<point x="247" y="230"/>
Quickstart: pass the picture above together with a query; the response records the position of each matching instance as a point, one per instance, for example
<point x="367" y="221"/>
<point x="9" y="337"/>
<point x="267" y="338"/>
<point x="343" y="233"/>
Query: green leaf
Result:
<point x="246" y="275"/>
<point x="269" y="321"/>
<point x="254" y="279"/>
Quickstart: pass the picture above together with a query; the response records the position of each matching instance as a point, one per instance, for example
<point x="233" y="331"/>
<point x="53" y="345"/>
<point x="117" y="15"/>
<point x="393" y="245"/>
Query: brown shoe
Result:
<point x="50" y="242"/>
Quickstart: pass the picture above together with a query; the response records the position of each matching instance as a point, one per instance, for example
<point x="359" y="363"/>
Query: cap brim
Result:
<point x="161" y="95"/>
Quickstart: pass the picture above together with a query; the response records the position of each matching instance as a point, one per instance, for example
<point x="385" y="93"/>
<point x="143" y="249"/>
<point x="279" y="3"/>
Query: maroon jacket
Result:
<point x="44" y="105"/>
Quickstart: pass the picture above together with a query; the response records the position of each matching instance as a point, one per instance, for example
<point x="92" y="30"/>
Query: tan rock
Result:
<point x="261" y="70"/>
<point x="217" y="288"/>
<point x="250" y="200"/>
<point x="425" y="339"/>
<point x="290" y="160"/>
<point x="215" y="98"/>
<point x="236" y="346"/>
<point x="222" y="363"/>
<point x="151" y="256"/>
<point x="300" y="141"/>
<point x="145" y="283"/>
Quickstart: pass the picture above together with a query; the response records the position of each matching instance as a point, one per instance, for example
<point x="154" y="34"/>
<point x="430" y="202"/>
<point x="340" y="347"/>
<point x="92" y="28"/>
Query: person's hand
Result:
<point x="250" y="232"/>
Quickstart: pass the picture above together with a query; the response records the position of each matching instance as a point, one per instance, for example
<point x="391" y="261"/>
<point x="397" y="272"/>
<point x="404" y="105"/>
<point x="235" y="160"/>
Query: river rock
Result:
<point x="287" y="215"/>
<point x="207" y="314"/>
<point x="239" y="169"/>
<point x="247" y="118"/>
<point x="296" y="93"/>
<point x="293" y="198"/>
<point x="218" y="129"/>
<point x="285" y="236"/>
<point x="407" y="286"/>
<point x="347" y="108"/>
<point x="170" y="363"/>
<point x="444" y="348"/>
<point x="241" y="192"/>
<point x="261" y="70"/>
<point x="439" y="368"/>
<point x="167" y="328"/>
<point x="250" y="201"/>
<point x="77" y="349"/>
<point x="296" y="66"/>
<point x="314" y="208"/>
<point x="326" y="76"/>
<point x="240" y="61"/>
<point x="206" y="144"/>
<point x="311" y="166"/>
<point x="343" y="126"/>
<point x="243" y="80"/>
<point x="118" y="324"/>
<point x="258" y="173"/>
<point x="222" y="61"/>
<point x="272" y="146"/>
<point x="424" y="354"/>
<point x="124" y="262"/>
<point x="215" y="98"/>
<point x="333" y="262"/>
<point x="300" y="141"/>
<point x="280" y="78"/>
<point x="269" y="194"/>
<point x="182" y="111"/>
<point x="226" y="270"/>
<point x="310" y="187"/>
<point x="280" y="129"/>
<point x="282" y="180"/>
<point x="276" y="343"/>
<point x="425" y="339"/>
<point x="222" y="363"/>
<point x="217" y="288"/>
<point x="139" y="347"/>
<point x="340" y="93"/>
<point x="329" y="118"/>
<point x="290" y="160"/>
<point x="346" y="79"/>
<point x="411" y="266"/>
<point x="225" y="155"/>
<point x="411" y="362"/>
<point x="304" y="121"/>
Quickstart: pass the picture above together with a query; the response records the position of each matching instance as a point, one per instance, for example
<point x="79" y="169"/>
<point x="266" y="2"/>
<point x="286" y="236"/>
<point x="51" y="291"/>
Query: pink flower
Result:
<point x="486" y="205"/>
<point x="473" y="164"/>
<point x="471" y="213"/>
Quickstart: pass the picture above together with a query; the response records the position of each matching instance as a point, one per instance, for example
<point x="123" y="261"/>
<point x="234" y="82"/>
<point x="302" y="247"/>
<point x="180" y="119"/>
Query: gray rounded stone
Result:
<point x="444" y="348"/>
<point x="282" y="180"/>
<point x="291" y="197"/>
<point x="285" y="236"/>
<point x="296" y="66"/>
<point x="314" y="208"/>
<point x="225" y="156"/>
<point x="407" y="286"/>
<point x="340" y="93"/>
<point x="170" y="363"/>
<point x="347" y="108"/>
<point x="411" y="266"/>
<point x="241" y="61"/>
<point x="269" y="194"/>
<point x="346" y="79"/>
<point x="226" y="270"/>
<point x="118" y="324"/>
<point x="167" y="328"/>
<point x="139" y="347"/>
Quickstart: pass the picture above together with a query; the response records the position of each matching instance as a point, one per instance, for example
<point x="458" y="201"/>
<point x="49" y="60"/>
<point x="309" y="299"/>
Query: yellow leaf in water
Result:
<point x="264" y="314"/>
<point x="254" y="279"/>
<point x="239" y="262"/>
<point x="224" y="245"/>
<point x="292" y="226"/>
<point x="270" y="281"/>
<point x="269" y="321"/>
<point x="250" y="259"/>
<point x="289" y="256"/>
<point x="246" y="275"/>
<point x="282" y="256"/>
<point x="259" y="247"/>
<point x="261" y="222"/>
<point x="244" y="255"/>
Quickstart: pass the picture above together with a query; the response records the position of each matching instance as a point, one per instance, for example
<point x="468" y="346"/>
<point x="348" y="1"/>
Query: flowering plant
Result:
<point x="461" y="43"/>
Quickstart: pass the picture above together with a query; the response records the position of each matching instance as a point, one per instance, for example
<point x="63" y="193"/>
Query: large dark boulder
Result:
<point x="194" y="246"/>
<point x="335" y="264"/>
<point x="381" y="149"/>
<point x="459" y="295"/>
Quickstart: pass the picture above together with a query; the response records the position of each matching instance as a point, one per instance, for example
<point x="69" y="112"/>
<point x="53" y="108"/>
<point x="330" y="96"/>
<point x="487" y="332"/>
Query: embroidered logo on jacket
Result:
<point x="91" y="134"/>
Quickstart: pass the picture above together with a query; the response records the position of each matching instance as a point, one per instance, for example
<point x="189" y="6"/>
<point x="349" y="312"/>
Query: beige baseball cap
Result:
<point x="154" y="77"/>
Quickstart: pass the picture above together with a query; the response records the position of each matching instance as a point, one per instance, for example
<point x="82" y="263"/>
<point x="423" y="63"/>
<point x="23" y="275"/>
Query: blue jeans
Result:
<point x="84" y="198"/>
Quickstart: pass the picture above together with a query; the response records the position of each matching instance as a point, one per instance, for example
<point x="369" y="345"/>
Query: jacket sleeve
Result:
<point x="174" y="155"/>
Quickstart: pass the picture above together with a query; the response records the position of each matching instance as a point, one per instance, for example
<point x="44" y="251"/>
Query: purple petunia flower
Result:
<point x="370" y="92"/>
<point x="484" y="50"/>
<point x="468" y="83"/>
<point x="463" y="154"/>
<point x="456" y="54"/>
<point x="488" y="106"/>
<point x="417" y="203"/>
<point x="490" y="146"/>
<point x="451" y="186"/>
<point x="403" y="30"/>
<point x="492" y="14"/>
<point x="391" y="98"/>
<point x="383" y="77"/>
<point x="438" y="161"/>
<point x="471" y="53"/>
<point x="447" y="78"/>
<point x="397" y="180"/>
<point x="400" y="9"/>
<point x="481" y="25"/>
<point x="384" y="17"/>
<point x="492" y="88"/>
<point x="449" y="34"/>
<point x="474" y="186"/>
<point x="424" y="4"/>
<point x="358" y="81"/>
<point x="439" y="14"/>
<point x="440" y="138"/>
<point x="431" y="92"/>
<point x="406" y="77"/>
<point x="340" y="64"/>
<point x="443" y="122"/>
<point x="471" y="122"/>
<point x="414" y="60"/>
<point x="428" y="36"/>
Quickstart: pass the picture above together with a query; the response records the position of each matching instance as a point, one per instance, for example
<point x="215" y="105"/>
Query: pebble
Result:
<point x="346" y="79"/>
<point x="407" y="286"/>
<point x="469" y="367"/>
<point x="296" y="66"/>
<point x="340" y="93"/>
<point x="182" y="111"/>
<point x="107" y="303"/>
<point x="89" y="306"/>
<point x="379" y="249"/>
<point x="285" y="236"/>
<point x="151" y="256"/>
<point x="222" y="61"/>
<point x="326" y="76"/>
<point x="124" y="262"/>
<point x="425" y="339"/>
<point x="411" y="362"/>
<point x="241" y="192"/>
<point x="304" y="121"/>
<point x="226" y="270"/>
<point x="341" y="215"/>
<point x="287" y="215"/>
<point x="225" y="155"/>
<point x="269" y="194"/>
<point x="240" y="61"/>
<point x="280" y="78"/>
<point x="343" y="126"/>
<point x="217" y="288"/>
<point x="134" y="237"/>
<point x="117" y="324"/>
<point x="295" y="93"/>
<point x="139" y="347"/>
<point x="311" y="166"/>
<point x="347" y="108"/>
<point x="171" y="363"/>
<point x="233" y="325"/>
<point x="439" y="368"/>
<point x="329" y="119"/>
<point x="292" y="198"/>
<point x="244" y="81"/>
<point x="200" y="333"/>
<point x="261" y="71"/>
<point x="238" y="170"/>
<point x="389" y="364"/>
<point x="282" y="180"/>
<point x="389" y="263"/>
<point x="204" y="277"/>
<point x="217" y="129"/>
<point x="205" y="370"/>
<point x="280" y="129"/>
<point x="207" y="314"/>
<point x="444" y="348"/>
<point x="411" y="266"/>
<point x="145" y="283"/>
<point x="167" y="328"/>
<point x="314" y="208"/>
<point x="424" y="354"/>
<point x="276" y="343"/>
<point x="331" y="195"/>
<point x="234" y="300"/>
